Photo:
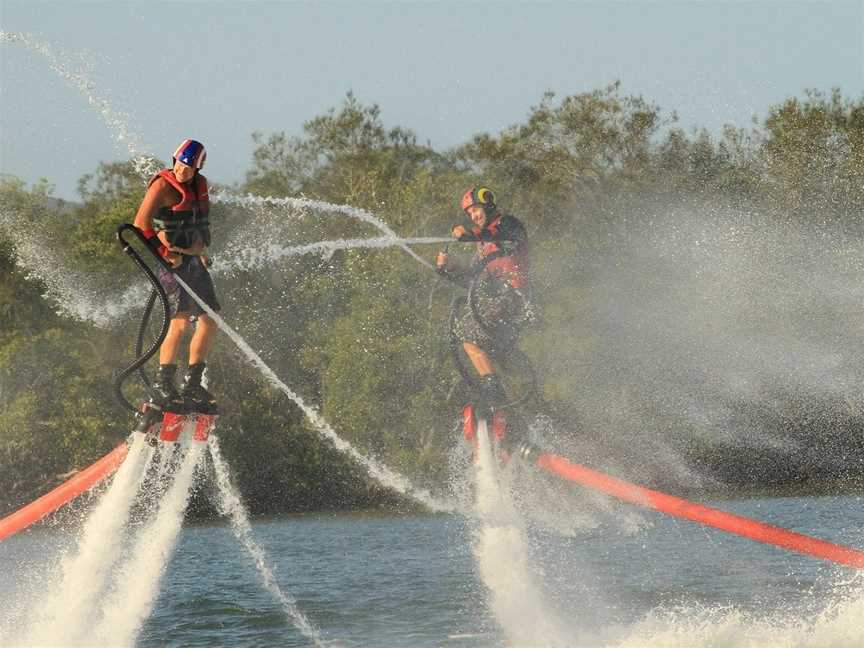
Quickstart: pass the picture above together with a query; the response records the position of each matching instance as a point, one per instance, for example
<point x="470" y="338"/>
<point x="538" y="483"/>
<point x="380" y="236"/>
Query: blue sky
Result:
<point x="217" y="71"/>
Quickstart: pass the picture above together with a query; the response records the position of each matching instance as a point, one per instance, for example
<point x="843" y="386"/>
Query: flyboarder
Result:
<point x="173" y="217"/>
<point x="501" y="309"/>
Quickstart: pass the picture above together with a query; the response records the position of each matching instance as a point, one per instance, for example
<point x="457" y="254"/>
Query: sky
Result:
<point x="218" y="71"/>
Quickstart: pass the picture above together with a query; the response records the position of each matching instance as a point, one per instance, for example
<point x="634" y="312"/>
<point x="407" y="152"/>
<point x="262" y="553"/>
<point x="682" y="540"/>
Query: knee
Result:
<point x="207" y="324"/>
<point x="179" y="326"/>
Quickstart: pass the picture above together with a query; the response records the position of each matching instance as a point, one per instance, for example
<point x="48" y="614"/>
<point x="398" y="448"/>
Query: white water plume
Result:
<point x="138" y="581"/>
<point x="264" y="255"/>
<point x="839" y="625"/>
<point x="66" y="610"/>
<point x="382" y="474"/>
<point x="231" y="505"/>
<point x="305" y="204"/>
<point x="117" y="122"/>
<point x="71" y="287"/>
<point x="502" y="556"/>
<point x="708" y="329"/>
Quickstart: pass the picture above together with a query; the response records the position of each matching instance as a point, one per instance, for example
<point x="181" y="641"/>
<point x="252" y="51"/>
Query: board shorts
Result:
<point x="195" y="274"/>
<point x="505" y="312"/>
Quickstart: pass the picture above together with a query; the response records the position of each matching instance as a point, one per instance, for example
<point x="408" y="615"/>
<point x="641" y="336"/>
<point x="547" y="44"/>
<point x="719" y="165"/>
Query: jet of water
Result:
<point x="384" y="475"/>
<point x="65" y="613"/>
<point x="138" y="583"/>
<point x="307" y="203"/>
<point x="117" y="122"/>
<point x="264" y="255"/>
<point x="231" y="505"/>
<point x="502" y="556"/>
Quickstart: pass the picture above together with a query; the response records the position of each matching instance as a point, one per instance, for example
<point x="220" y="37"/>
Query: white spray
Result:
<point x="265" y="255"/>
<point x="231" y="505"/>
<point x="117" y="123"/>
<point x="502" y="556"/>
<point x="306" y="203"/>
<point x="383" y="474"/>
<point x="65" y="611"/>
<point x="138" y="582"/>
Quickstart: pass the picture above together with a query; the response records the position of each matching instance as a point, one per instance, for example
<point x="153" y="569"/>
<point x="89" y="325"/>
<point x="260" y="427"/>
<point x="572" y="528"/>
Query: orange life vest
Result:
<point x="189" y="218"/>
<point x="512" y="268"/>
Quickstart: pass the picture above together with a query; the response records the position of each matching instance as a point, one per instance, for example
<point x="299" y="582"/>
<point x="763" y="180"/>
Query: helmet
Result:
<point x="191" y="153"/>
<point x="479" y="196"/>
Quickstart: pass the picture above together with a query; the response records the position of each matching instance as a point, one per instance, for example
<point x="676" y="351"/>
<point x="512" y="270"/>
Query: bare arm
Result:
<point x="155" y="198"/>
<point x="159" y="194"/>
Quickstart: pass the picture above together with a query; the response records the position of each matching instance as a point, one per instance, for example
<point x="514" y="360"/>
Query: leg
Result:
<point x="164" y="391"/>
<point x="202" y="339"/>
<point x="196" y="397"/>
<point x="171" y="345"/>
<point x="491" y="390"/>
<point x="479" y="358"/>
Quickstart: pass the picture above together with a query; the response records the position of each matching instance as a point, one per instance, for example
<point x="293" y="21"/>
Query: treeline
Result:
<point x="362" y="333"/>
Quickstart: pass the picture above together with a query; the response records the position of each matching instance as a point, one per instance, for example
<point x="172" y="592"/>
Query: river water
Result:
<point x="577" y="573"/>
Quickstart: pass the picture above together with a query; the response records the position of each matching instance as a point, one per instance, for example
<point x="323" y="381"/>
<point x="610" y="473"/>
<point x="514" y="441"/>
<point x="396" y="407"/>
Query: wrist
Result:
<point x="155" y="244"/>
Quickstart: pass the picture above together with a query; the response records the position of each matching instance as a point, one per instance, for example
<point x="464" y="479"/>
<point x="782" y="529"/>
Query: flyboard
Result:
<point x="155" y="422"/>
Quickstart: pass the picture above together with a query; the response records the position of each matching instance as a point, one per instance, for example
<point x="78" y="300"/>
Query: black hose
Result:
<point x="142" y="331"/>
<point x="456" y="345"/>
<point x="477" y="271"/>
<point x="158" y="291"/>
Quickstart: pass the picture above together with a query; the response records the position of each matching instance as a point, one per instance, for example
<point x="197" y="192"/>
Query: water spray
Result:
<point x="307" y="203"/>
<point x="232" y="506"/>
<point x="380" y="472"/>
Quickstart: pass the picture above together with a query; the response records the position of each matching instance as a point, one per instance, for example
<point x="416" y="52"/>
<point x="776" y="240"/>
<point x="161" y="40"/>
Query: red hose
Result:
<point x="681" y="508"/>
<point x="65" y="492"/>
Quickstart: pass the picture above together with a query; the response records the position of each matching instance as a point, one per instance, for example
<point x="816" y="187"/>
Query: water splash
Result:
<point x="381" y="473"/>
<point x="837" y="626"/>
<point x="65" y="613"/>
<point x="138" y="582"/>
<point x="264" y="255"/>
<point x="117" y="122"/>
<point x="231" y="505"/>
<point x="502" y="556"/>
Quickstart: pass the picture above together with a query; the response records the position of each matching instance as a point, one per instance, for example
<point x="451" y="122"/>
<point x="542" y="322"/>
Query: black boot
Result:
<point x="164" y="392"/>
<point x="197" y="398"/>
<point x="491" y="396"/>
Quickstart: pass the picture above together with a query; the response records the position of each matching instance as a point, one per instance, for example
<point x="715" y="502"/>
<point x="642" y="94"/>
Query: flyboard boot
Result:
<point x="506" y="426"/>
<point x="164" y="398"/>
<point x="169" y="411"/>
<point x="195" y="398"/>
<point x="200" y="406"/>
<point x="487" y="407"/>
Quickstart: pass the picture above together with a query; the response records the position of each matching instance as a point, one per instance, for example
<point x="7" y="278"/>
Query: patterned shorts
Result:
<point x="193" y="272"/>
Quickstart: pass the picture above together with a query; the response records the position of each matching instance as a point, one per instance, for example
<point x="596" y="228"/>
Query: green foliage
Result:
<point x="361" y="334"/>
<point x="111" y="198"/>
<point x="813" y="154"/>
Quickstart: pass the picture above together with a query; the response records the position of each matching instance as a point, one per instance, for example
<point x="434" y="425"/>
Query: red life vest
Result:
<point x="189" y="218"/>
<point x="512" y="268"/>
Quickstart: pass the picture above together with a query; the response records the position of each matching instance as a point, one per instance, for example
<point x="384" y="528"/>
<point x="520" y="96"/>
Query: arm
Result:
<point x="195" y="250"/>
<point x="156" y="197"/>
<point x="456" y="274"/>
<point x="511" y="235"/>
